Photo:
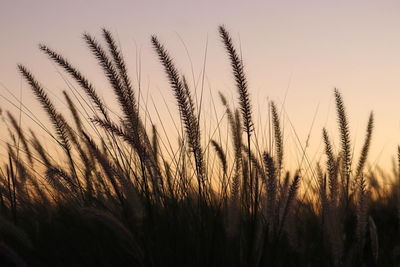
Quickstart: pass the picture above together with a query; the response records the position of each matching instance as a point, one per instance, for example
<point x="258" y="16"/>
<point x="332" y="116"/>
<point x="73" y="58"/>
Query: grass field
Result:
<point x="118" y="198"/>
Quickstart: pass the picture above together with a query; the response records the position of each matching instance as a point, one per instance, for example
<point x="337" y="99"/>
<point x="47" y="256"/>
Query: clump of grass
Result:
<point x="348" y="194"/>
<point x="120" y="200"/>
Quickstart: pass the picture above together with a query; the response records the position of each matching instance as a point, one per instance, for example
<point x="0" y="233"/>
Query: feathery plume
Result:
<point x="332" y="166"/>
<point x="57" y="119"/>
<point x="186" y="109"/>
<point x="345" y="140"/>
<point x="79" y="78"/>
<point x="278" y="138"/>
<point x="221" y="155"/>
<point x="365" y="148"/>
<point x="121" y="67"/>
<point x="240" y="78"/>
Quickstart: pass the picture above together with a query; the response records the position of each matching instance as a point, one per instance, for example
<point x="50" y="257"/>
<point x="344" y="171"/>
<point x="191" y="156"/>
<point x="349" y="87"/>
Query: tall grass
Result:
<point x="119" y="200"/>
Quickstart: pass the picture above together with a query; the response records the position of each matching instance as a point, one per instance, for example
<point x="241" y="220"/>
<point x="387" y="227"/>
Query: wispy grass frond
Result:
<point x="125" y="102"/>
<point x="60" y="180"/>
<point x="57" y="119"/>
<point x="121" y="67"/>
<point x="278" y="137"/>
<point x="79" y="78"/>
<point x="332" y="167"/>
<point x="240" y="78"/>
<point x="221" y="155"/>
<point x="362" y="212"/>
<point x="345" y="140"/>
<point x="365" y="148"/>
<point x="186" y="109"/>
<point x="271" y="190"/>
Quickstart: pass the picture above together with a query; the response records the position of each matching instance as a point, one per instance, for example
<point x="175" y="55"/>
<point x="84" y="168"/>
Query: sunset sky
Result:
<point x="295" y="53"/>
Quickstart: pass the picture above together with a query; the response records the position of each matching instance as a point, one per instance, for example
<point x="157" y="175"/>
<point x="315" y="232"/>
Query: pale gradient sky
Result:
<point x="304" y="48"/>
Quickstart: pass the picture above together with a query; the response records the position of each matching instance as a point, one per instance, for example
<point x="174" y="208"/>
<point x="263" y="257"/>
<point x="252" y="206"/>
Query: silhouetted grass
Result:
<point x="119" y="200"/>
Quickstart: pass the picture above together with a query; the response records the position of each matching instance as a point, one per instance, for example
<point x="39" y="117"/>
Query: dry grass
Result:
<point x="120" y="200"/>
